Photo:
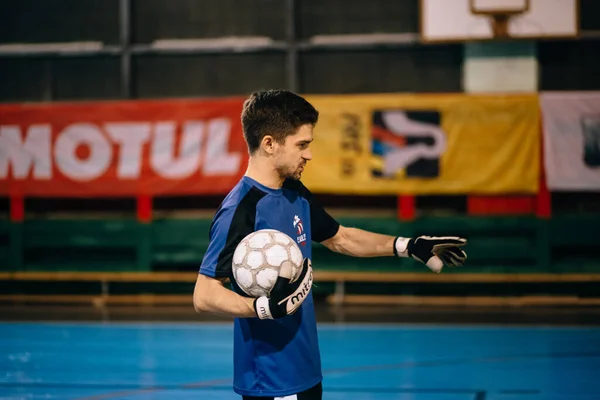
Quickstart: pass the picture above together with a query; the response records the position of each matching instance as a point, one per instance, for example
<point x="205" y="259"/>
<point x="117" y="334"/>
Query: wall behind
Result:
<point x="328" y="46"/>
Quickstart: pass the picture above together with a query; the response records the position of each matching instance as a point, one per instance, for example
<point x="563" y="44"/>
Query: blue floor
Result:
<point x="368" y="362"/>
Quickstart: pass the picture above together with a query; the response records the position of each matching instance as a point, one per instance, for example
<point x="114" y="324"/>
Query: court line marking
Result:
<point x="325" y="325"/>
<point x="204" y="384"/>
<point x="461" y="361"/>
<point x="409" y="364"/>
<point x="331" y="326"/>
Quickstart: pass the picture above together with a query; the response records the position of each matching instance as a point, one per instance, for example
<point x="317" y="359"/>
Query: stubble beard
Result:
<point x="288" y="173"/>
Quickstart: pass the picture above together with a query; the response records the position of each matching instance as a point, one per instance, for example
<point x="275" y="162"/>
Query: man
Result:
<point x="276" y="351"/>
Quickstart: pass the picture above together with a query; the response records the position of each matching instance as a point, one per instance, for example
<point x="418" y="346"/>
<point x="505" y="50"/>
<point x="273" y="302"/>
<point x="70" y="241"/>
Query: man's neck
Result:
<point x="261" y="171"/>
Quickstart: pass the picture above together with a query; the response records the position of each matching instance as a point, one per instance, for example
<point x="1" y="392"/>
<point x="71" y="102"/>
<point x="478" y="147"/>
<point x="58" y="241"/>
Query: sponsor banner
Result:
<point x="425" y="144"/>
<point x="571" y="124"/>
<point x="121" y="148"/>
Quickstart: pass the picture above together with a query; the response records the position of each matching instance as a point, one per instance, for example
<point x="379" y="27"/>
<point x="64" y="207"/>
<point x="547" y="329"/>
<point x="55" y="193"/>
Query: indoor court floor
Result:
<point x="145" y="360"/>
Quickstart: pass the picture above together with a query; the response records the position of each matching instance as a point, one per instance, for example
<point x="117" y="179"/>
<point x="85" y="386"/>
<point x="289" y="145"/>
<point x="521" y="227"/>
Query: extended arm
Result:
<point x="435" y="252"/>
<point x="360" y="243"/>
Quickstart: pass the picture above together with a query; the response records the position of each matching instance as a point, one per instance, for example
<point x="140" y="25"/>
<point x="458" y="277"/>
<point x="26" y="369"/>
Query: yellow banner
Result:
<point x="425" y="144"/>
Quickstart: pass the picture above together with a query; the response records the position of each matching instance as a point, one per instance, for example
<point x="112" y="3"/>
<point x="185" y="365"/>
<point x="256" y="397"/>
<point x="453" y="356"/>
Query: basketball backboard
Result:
<point x="475" y="20"/>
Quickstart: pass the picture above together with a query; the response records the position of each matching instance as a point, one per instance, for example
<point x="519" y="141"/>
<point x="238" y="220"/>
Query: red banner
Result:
<point x="121" y="148"/>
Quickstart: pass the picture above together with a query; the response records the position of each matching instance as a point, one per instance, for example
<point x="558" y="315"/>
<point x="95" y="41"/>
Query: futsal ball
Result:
<point x="259" y="257"/>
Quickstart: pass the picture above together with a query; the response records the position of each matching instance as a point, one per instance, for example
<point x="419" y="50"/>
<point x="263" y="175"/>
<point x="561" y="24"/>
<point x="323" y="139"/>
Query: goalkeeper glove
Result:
<point x="286" y="296"/>
<point x="433" y="251"/>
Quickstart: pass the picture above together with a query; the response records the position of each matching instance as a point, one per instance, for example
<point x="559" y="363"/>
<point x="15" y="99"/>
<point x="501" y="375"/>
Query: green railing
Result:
<point x="496" y="244"/>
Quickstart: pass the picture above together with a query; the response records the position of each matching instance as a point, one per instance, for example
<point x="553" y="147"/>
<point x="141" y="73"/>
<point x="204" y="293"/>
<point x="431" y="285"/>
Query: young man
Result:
<point x="276" y="351"/>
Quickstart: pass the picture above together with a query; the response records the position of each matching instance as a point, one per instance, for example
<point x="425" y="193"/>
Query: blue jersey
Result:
<point x="271" y="357"/>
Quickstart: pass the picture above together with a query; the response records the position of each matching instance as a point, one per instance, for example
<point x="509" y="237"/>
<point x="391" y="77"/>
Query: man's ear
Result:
<point x="268" y="144"/>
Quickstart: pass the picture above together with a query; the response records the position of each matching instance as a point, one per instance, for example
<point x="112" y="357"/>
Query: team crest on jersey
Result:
<point x="301" y="235"/>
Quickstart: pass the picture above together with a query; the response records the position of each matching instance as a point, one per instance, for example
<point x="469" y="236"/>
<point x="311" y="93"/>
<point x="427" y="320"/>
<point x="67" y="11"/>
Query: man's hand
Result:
<point x="286" y="296"/>
<point x="433" y="251"/>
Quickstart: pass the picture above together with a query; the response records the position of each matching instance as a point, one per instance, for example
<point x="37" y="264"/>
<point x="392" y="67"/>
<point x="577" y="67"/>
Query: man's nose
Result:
<point x="307" y="155"/>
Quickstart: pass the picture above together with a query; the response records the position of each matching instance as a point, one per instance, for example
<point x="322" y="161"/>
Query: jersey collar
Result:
<point x="262" y="187"/>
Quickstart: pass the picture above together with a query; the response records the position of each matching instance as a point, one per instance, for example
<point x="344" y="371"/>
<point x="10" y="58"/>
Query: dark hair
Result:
<point x="278" y="113"/>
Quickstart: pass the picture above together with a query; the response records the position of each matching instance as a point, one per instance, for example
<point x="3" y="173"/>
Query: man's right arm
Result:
<point x="229" y="227"/>
<point x="284" y="299"/>
<point x="212" y="297"/>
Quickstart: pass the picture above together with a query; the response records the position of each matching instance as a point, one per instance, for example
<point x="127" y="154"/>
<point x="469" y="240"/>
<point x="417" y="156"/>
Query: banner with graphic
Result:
<point x="571" y="124"/>
<point x="371" y="144"/>
<point x="425" y="144"/>
<point x="121" y="148"/>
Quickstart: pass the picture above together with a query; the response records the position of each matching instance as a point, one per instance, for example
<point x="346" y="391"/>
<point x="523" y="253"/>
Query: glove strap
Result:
<point x="401" y="246"/>
<point x="262" y="309"/>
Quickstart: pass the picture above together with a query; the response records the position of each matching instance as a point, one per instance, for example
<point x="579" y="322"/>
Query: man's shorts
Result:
<point x="314" y="393"/>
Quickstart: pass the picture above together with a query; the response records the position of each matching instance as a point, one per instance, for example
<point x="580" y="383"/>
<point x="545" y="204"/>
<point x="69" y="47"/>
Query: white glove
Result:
<point x="433" y="251"/>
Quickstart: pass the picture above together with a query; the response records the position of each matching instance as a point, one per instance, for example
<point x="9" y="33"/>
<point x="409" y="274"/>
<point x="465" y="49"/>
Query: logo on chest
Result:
<point x="300" y="234"/>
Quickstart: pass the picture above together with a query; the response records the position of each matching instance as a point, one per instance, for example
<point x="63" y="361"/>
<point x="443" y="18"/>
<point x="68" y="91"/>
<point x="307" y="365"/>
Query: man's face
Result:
<point x="291" y="156"/>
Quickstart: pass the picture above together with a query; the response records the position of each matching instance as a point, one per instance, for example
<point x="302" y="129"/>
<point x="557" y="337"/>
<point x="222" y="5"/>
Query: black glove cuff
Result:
<point x="410" y="247"/>
<point x="394" y="246"/>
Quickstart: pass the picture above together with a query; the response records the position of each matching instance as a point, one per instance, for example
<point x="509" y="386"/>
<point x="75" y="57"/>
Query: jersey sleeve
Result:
<point x="212" y="263"/>
<point x="230" y="225"/>
<point x="323" y="225"/>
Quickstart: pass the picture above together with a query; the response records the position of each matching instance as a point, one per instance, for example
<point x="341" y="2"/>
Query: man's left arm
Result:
<point x="360" y="243"/>
<point x="435" y="252"/>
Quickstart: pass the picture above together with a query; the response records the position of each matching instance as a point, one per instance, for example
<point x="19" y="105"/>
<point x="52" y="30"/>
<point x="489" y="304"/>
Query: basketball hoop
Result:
<point x="462" y="21"/>
<point x="499" y="17"/>
<point x="499" y="23"/>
